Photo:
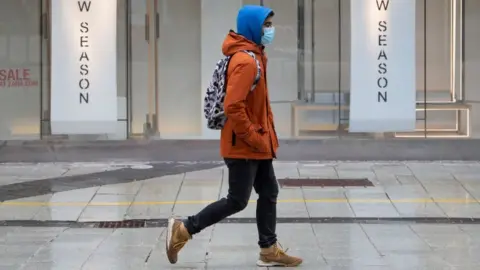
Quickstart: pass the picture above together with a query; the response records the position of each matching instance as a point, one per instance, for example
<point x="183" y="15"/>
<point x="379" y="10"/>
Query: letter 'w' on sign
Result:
<point x="83" y="74"/>
<point x="383" y="4"/>
<point x="84" y="5"/>
<point x="382" y="68"/>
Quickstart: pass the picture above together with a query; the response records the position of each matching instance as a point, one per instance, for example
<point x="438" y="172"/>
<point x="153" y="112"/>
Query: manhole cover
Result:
<point x="121" y="224"/>
<point x="318" y="182"/>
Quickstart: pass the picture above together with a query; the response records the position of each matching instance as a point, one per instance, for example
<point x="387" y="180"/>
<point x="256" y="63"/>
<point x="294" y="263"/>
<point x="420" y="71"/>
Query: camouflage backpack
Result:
<point x="216" y="91"/>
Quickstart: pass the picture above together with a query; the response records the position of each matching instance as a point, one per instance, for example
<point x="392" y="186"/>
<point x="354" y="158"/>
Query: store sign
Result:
<point x="84" y="67"/>
<point x="382" y="66"/>
<point x="16" y="78"/>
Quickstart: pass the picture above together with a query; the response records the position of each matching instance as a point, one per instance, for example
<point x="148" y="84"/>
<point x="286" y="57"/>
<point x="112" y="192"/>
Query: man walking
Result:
<point x="248" y="142"/>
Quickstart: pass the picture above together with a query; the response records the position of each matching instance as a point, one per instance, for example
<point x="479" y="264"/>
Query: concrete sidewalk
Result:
<point x="66" y="196"/>
<point x="87" y="191"/>
<point x="233" y="246"/>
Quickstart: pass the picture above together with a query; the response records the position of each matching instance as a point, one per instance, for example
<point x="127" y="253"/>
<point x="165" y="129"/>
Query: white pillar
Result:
<point x="218" y="17"/>
<point x="382" y="66"/>
<point x="83" y="68"/>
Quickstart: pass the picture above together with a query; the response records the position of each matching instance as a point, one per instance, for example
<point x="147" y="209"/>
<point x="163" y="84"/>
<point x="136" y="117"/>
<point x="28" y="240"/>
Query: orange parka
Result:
<point x="249" y="132"/>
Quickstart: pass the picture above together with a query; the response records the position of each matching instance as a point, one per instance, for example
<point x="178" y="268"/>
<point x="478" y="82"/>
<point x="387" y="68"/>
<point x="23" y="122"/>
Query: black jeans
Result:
<point x="242" y="176"/>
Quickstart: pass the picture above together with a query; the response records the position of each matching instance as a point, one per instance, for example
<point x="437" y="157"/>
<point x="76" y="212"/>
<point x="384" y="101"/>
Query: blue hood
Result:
<point x="250" y="21"/>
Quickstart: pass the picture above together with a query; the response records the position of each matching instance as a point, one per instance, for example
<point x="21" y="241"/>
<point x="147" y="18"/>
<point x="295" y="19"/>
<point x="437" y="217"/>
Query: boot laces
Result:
<point x="279" y="250"/>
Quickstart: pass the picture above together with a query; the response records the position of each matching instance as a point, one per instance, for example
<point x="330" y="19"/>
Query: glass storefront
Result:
<point x="21" y="53"/>
<point x="167" y="49"/>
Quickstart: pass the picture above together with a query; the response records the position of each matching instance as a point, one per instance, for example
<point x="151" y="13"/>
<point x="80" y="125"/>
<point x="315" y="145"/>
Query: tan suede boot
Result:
<point x="275" y="256"/>
<point x="177" y="237"/>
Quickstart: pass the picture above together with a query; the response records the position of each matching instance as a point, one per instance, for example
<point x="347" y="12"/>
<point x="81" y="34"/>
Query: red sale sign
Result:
<point x="16" y="77"/>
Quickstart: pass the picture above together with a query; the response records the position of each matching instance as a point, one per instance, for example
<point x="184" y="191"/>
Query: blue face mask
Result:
<point x="268" y="35"/>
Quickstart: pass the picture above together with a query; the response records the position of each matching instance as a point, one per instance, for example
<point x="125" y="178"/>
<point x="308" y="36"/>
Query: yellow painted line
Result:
<point x="200" y="202"/>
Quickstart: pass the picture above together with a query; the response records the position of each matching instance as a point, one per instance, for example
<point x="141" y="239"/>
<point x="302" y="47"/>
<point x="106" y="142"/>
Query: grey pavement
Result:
<point x="119" y="191"/>
<point x="233" y="246"/>
<point x="403" y="194"/>
<point x="343" y="148"/>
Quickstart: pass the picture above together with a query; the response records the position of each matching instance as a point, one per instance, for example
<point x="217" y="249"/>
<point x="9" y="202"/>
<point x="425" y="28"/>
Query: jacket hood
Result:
<point x="250" y="21"/>
<point x="235" y="42"/>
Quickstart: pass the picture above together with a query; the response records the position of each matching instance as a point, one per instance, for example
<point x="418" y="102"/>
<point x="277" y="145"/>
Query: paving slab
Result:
<point x="401" y="189"/>
<point x="234" y="246"/>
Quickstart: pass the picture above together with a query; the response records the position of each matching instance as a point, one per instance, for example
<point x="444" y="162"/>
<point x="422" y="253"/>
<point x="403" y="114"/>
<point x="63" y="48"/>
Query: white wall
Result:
<point x="191" y="33"/>
<point x="191" y="37"/>
<point x="122" y="62"/>
<point x="139" y="98"/>
<point x="217" y="18"/>
<point x="179" y="68"/>
<point x="282" y="63"/>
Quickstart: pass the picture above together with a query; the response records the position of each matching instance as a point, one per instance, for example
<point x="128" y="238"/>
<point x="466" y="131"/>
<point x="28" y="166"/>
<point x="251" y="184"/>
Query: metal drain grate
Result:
<point x="121" y="224"/>
<point x="319" y="182"/>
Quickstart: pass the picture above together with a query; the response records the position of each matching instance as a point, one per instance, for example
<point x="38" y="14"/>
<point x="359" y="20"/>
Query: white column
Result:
<point x="382" y="66"/>
<point x="84" y="67"/>
<point x="218" y="17"/>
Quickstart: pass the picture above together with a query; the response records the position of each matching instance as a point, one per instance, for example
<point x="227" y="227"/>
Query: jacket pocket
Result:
<point x="258" y="142"/>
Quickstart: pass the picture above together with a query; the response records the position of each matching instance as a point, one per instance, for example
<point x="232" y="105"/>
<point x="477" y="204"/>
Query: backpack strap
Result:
<point x="259" y="69"/>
